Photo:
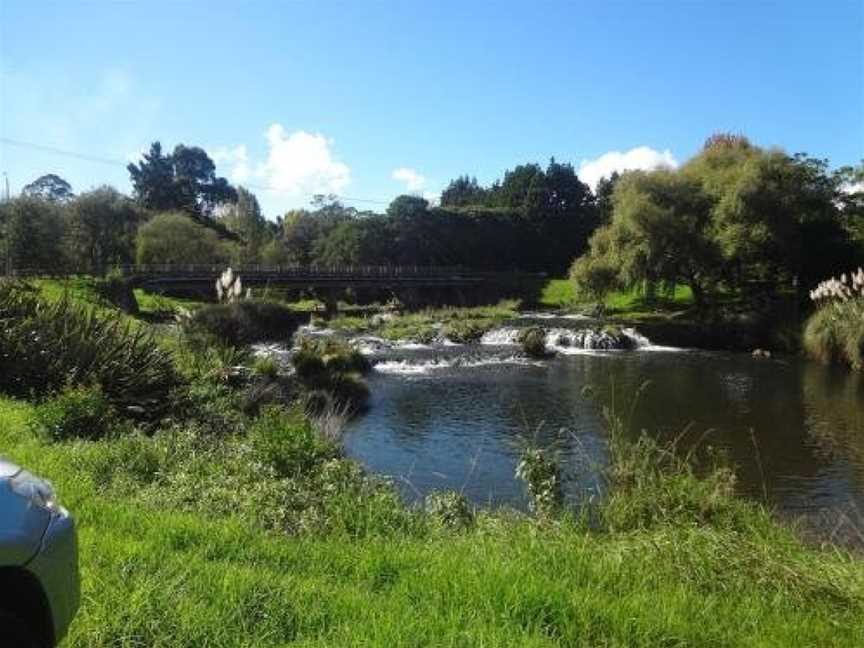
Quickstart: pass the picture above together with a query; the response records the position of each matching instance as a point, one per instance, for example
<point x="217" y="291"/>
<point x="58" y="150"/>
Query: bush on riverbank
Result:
<point x="331" y="370"/>
<point x="835" y="331"/>
<point x="45" y="346"/>
<point x="77" y="412"/>
<point x="245" y="322"/>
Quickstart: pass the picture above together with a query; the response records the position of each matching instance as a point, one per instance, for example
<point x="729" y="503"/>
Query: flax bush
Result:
<point x="45" y="346"/>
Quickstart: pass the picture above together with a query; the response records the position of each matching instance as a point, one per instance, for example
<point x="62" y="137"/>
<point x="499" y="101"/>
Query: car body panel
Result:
<point x="41" y="540"/>
<point x="56" y="567"/>
<point x="22" y="526"/>
<point x="8" y="469"/>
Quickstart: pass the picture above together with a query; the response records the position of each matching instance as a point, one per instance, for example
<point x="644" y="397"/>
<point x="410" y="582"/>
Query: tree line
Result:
<point x="734" y="217"/>
<point x="180" y="211"/>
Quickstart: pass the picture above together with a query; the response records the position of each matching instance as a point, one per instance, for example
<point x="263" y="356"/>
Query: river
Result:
<point x="453" y="417"/>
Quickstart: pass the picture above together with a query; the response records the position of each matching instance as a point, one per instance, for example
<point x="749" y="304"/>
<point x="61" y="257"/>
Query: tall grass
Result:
<point x="173" y="554"/>
<point x="835" y="331"/>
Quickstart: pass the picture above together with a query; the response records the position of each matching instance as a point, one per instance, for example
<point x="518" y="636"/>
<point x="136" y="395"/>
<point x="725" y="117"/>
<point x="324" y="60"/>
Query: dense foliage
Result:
<point x="245" y="322"/>
<point x="45" y="347"/>
<point x="735" y="218"/>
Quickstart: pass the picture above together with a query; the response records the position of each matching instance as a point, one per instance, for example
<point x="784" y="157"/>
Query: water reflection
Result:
<point x="793" y="429"/>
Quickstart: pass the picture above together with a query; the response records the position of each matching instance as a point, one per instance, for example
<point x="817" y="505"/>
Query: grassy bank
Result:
<point x="236" y="520"/>
<point x="561" y="293"/>
<point x="157" y="572"/>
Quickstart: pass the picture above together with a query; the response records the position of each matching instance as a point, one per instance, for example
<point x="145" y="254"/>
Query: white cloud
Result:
<point x="237" y="159"/>
<point x="852" y="188"/>
<point x="642" y="157"/>
<point x="413" y="180"/>
<point x="301" y="163"/>
<point x="432" y="197"/>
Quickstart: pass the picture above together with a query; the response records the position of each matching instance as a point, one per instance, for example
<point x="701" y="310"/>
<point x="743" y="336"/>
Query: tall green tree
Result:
<point x="244" y="218"/>
<point x="174" y="238"/>
<point x="659" y="233"/>
<point x="464" y="191"/>
<point x="32" y="234"/>
<point x="101" y="228"/>
<point x="184" y="180"/>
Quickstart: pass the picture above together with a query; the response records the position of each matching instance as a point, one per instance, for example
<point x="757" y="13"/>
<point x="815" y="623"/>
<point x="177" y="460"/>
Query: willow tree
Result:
<point x="659" y="234"/>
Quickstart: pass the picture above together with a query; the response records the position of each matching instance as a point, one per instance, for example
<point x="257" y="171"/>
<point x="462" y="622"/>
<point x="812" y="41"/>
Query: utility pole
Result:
<point x="7" y="262"/>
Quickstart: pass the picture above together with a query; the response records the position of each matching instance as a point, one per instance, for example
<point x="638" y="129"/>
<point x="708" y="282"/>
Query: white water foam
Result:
<point x="644" y="344"/>
<point x="544" y="316"/>
<point x="407" y="367"/>
<point x="506" y="336"/>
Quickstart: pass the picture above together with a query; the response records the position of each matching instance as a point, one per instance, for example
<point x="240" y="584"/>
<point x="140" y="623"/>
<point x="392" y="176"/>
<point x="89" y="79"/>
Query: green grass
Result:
<point x="458" y="324"/>
<point x="561" y="293"/>
<point x="835" y="333"/>
<point x="149" y="302"/>
<point x="154" y="575"/>
<point x="558" y="293"/>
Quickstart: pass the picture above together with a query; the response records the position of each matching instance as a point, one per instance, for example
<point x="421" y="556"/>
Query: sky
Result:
<point x="370" y="99"/>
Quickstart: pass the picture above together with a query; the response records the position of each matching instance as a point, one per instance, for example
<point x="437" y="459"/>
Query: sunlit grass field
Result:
<point x="561" y="293"/>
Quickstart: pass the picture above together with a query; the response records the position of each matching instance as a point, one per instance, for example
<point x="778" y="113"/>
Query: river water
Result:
<point x="446" y="416"/>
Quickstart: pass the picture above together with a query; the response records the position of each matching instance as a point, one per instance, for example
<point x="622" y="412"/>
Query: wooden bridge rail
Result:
<point x="299" y="272"/>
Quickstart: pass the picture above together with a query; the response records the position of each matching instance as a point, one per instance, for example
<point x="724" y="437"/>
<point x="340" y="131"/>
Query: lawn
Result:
<point x="561" y="293"/>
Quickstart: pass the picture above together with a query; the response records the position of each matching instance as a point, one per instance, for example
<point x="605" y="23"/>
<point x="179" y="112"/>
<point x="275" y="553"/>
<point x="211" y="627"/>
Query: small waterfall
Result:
<point x="567" y="340"/>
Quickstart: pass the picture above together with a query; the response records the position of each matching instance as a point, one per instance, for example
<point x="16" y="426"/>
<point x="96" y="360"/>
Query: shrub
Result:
<point x="540" y="471"/>
<point x="533" y="341"/>
<point x="47" y="346"/>
<point x="835" y="331"/>
<point x="287" y="441"/>
<point x="467" y="331"/>
<point x="450" y="509"/>
<point x="245" y="322"/>
<point x="77" y="412"/>
<point x="330" y="369"/>
<point x="266" y="367"/>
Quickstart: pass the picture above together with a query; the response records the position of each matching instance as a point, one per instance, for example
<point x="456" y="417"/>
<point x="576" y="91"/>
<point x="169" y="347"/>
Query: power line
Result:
<point x="61" y="152"/>
<point x="117" y="162"/>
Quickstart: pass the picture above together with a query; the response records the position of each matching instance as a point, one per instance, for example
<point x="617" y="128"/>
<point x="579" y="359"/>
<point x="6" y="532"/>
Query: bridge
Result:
<point x="325" y="281"/>
<point x="295" y="276"/>
<point x="163" y="276"/>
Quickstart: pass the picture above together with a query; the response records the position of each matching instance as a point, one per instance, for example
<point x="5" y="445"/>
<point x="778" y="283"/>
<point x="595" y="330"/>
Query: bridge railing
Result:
<point x="299" y="271"/>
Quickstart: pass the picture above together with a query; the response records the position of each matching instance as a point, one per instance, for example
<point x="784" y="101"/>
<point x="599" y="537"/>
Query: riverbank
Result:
<point x="227" y="525"/>
<point x="683" y="565"/>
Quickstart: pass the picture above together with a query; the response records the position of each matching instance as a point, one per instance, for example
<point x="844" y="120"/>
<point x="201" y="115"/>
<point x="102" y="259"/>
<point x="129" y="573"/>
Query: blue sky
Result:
<point x="374" y="99"/>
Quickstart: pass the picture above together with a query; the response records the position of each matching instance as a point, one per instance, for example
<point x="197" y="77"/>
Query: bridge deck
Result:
<point x="299" y="276"/>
